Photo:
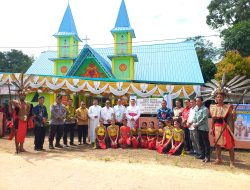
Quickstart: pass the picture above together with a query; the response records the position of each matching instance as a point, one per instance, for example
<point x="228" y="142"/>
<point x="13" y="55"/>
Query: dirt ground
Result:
<point x="83" y="167"/>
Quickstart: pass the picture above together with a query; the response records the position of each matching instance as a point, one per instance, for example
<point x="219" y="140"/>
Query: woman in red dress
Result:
<point x="143" y="135"/>
<point x="160" y="135"/>
<point x="113" y="133"/>
<point x="167" y="137"/>
<point x="100" y="132"/>
<point x="135" y="137"/>
<point x="178" y="140"/>
<point x="124" y="140"/>
<point x="151" y="136"/>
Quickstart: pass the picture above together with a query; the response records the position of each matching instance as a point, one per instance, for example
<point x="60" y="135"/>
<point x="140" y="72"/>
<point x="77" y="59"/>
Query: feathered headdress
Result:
<point x="21" y="83"/>
<point x="233" y="88"/>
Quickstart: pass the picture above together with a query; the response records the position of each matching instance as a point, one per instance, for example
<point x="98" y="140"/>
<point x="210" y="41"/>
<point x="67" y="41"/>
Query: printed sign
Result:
<point x="149" y="105"/>
<point x="242" y="123"/>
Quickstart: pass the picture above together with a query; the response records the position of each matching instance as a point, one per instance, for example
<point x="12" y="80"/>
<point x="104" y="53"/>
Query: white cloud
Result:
<point x="31" y="23"/>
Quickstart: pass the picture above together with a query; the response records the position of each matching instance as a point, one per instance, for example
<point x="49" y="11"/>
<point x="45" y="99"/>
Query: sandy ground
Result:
<point x="85" y="168"/>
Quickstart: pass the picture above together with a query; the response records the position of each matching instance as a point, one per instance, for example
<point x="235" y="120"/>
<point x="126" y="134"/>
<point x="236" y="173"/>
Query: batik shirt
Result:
<point x="164" y="113"/>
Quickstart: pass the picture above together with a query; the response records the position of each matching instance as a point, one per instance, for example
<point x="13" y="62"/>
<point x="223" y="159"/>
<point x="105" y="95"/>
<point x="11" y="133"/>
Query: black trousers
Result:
<point x="204" y="143"/>
<point x="188" y="145"/>
<point x="71" y="129"/>
<point x="39" y="137"/>
<point x="55" y="130"/>
<point x="82" y="133"/>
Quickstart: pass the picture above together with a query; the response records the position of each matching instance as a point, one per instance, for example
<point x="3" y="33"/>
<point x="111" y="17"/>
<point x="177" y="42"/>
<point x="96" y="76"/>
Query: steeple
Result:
<point x="122" y="22"/>
<point x="123" y="60"/>
<point x="67" y="44"/>
<point x="67" y="26"/>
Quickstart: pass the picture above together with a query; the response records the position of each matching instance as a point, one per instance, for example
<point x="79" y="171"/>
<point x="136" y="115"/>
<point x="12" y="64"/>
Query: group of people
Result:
<point x="178" y="130"/>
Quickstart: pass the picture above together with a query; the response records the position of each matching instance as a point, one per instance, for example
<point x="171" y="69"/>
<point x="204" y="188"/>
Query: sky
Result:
<point x="29" y="25"/>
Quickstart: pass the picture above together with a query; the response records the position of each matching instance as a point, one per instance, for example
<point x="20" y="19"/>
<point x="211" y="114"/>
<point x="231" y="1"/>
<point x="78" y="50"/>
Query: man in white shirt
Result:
<point x="94" y="115"/>
<point x="193" y="131"/>
<point x="120" y="112"/>
<point x="107" y="114"/>
<point x="132" y="114"/>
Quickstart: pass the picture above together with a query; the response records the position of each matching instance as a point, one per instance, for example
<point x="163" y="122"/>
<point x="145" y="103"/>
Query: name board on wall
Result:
<point x="149" y="105"/>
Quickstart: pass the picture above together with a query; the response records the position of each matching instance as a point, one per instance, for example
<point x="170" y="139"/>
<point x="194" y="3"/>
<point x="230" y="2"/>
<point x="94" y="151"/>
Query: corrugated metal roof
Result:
<point x="43" y="64"/>
<point x="171" y="62"/>
<point x="122" y="22"/>
<point x="168" y="63"/>
<point x="67" y="26"/>
<point x="83" y="54"/>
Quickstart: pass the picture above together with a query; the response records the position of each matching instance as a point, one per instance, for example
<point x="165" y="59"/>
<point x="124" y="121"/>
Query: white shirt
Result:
<point x="191" y="117"/>
<point x="132" y="112"/>
<point x="107" y="114"/>
<point x="94" y="111"/>
<point x="119" y="112"/>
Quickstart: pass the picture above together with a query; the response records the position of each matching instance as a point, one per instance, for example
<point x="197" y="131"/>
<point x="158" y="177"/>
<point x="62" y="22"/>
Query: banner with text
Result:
<point x="149" y="105"/>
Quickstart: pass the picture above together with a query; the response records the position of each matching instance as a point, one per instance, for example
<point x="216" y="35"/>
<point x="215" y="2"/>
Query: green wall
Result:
<point x="122" y="74"/>
<point x="122" y="43"/>
<point x="64" y="43"/>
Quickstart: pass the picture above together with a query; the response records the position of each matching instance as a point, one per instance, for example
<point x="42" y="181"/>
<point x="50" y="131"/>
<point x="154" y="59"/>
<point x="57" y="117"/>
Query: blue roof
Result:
<point x="174" y="63"/>
<point x="85" y="54"/>
<point x="43" y="64"/>
<point x="122" y="23"/>
<point x="67" y="26"/>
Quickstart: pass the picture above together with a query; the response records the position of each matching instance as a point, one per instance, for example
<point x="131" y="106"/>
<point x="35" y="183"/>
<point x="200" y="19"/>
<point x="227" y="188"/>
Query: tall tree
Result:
<point x="237" y="37"/>
<point x="223" y="13"/>
<point x="15" y="61"/>
<point x="232" y="18"/>
<point x="206" y="54"/>
<point x="233" y="64"/>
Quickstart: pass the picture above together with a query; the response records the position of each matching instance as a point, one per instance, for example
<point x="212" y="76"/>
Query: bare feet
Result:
<point x="232" y="165"/>
<point x="23" y="150"/>
<point x="218" y="161"/>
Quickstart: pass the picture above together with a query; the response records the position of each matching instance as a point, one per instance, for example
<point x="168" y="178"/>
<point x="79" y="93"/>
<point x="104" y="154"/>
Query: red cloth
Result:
<point x="152" y="143"/>
<point x="229" y="141"/>
<point x="173" y="150"/>
<point x="124" y="136"/>
<point x="135" y="142"/>
<point x="161" y="147"/>
<point x="21" y="131"/>
<point x="185" y="114"/>
<point x="113" y="145"/>
<point x="144" y="141"/>
<point x="101" y="142"/>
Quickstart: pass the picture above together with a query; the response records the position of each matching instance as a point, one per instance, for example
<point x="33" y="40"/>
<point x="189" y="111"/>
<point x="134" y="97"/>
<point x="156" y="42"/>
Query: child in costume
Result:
<point x="113" y="134"/>
<point x="143" y="135"/>
<point x="100" y="132"/>
<point x="178" y="139"/>
<point x="124" y="139"/>
<point x="151" y="136"/>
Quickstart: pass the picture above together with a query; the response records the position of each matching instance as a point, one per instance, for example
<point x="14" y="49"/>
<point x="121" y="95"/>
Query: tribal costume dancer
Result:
<point x="113" y="132"/>
<point x="135" y="137"/>
<point x="100" y="132"/>
<point x="178" y="140"/>
<point x="21" y="113"/>
<point x="124" y="140"/>
<point x="223" y="115"/>
<point x="160" y="134"/>
<point x="143" y="135"/>
<point x="167" y="138"/>
<point x="151" y="136"/>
